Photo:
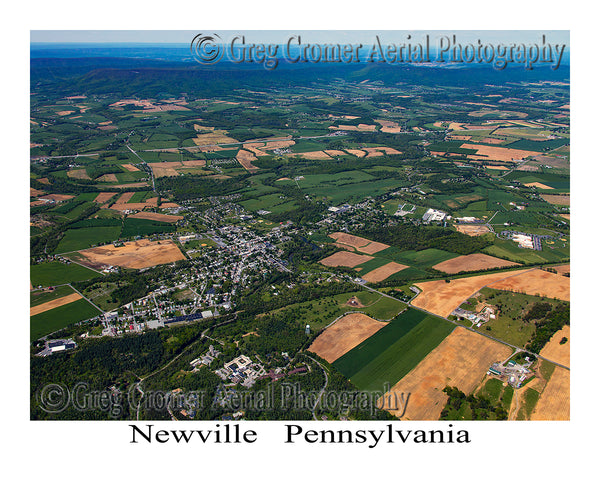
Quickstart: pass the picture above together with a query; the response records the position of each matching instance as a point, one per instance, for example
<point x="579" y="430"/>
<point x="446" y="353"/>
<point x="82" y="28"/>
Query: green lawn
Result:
<point x="55" y="273"/>
<point x="60" y="317"/>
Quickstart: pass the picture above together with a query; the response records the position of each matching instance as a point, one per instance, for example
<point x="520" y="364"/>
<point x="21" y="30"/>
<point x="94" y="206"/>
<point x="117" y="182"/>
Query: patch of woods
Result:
<point x="547" y="322"/>
<point x="418" y="237"/>
<point x="189" y="187"/>
<point x="470" y="407"/>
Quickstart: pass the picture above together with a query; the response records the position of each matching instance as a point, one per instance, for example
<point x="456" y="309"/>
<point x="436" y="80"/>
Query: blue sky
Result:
<point x="281" y="36"/>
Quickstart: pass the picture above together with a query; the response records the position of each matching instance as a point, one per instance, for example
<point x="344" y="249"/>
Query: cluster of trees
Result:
<point x="480" y="408"/>
<point x="547" y="326"/>
<point x="418" y="237"/>
<point x="188" y="187"/>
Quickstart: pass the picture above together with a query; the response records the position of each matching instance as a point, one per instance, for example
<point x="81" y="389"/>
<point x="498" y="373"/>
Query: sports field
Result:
<point x="393" y="351"/>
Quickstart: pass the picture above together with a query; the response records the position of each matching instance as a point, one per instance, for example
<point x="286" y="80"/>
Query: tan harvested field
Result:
<point x="213" y="138"/>
<point x="383" y="272"/>
<point x="152" y="201"/>
<point x="345" y="259"/>
<point x="556" y="352"/>
<point x="44" y="307"/>
<point x="472" y="230"/>
<point x="279" y="144"/>
<point x="194" y="163"/>
<point x="108" y="178"/>
<point x="57" y="197"/>
<point x="104" y="197"/>
<point x="499" y="153"/>
<point x="165" y="172"/>
<point x="363" y="245"/>
<point x="35" y="193"/>
<point x="362" y="127"/>
<point x="538" y="185"/>
<point x="159" y="217"/>
<point x="44" y="180"/>
<point x="496" y="167"/>
<point x="356" y="153"/>
<point x="471" y="263"/>
<point x="37" y="203"/>
<point x="566" y="216"/>
<point x="125" y="197"/>
<point x="130" y="185"/>
<point x="138" y="254"/>
<point x="282" y="179"/>
<point x="130" y="167"/>
<point x="318" y="155"/>
<point x="169" y="205"/>
<point x="557" y="199"/>
<point x="555" y="401"/>
<point x="536" y="281"/>
<point x="460" y="361"/>
<point x="441" y="298"/>
<point x="562" y="269"/>
<point x="255" y="151"/>
<point x="388" y="150"/>
<point x="345" y="334"/>
<point x="79" y="173"/>
<point x="245" y="158"/>
<point x="334" y="153"/>
<point x="65" y="112"/>
<point x="460" y="137"/>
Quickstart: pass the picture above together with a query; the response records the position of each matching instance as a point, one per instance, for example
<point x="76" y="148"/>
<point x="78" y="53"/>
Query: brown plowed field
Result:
<point x="130" y="167"/>
<point x="356" y="153"/>
<point x="470" y="263"/>
<point x="442" y="298"/>
<point x="460" y="361"/>
<point x="159" y="217"/>
<point x="104" y="197"/>
<point x="534" y="282"/>
<point x="557" y="199"/>
<point x="345" y="259"/>
<point x="345" y="334"/>
<point x="44" y="307"/>
<point x="499" y="153"/>
<point x="362" y="245"/>
<point x="562" y="269"/>
<point x="246" y="158"/>
<point x="383" y="272"/>
<point x="472" y="230"/>
<point x="125" y="197"/>
<point x="555" y="401"/>
<point x="57" y="197"/>
<point x="538" y="185"/>
<point x="138" y="254"/>
<point x="556" y="352"/>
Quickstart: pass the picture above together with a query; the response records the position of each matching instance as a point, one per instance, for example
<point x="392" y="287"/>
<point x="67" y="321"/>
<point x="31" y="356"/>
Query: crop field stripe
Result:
<point x="351" y="362"/>
<point x="60" y="317"/>
<point x="403" y="355"/>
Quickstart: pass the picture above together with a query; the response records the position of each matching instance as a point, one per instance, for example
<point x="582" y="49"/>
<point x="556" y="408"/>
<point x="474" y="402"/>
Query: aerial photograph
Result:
<point x="299" y="225"/>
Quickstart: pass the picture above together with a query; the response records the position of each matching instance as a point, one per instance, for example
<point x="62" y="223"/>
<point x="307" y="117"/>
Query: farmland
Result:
<point x="460" y="360"/>
<point x="393" y="351"/>
<point x="232" y="208"/>
<point x="55" y="273"/>
<point x="344" y="335"/>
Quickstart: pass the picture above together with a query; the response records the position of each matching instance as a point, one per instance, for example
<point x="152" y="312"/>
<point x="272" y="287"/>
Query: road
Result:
<point x="314" y="409"/>
<point x="145" y="164"/>
<point x="478" y="332"/>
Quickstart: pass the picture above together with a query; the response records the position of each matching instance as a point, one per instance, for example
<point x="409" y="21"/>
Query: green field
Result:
<point x="393" y="351"/>
<point x="80" y="238"/>
<point x="37" y="298"/>
<point x="60" y="317"/>
<point x="55" y="273"/>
